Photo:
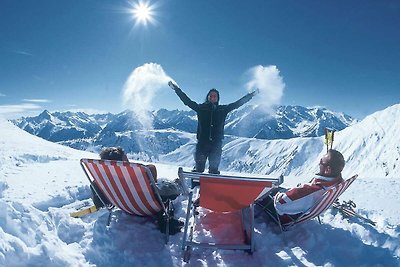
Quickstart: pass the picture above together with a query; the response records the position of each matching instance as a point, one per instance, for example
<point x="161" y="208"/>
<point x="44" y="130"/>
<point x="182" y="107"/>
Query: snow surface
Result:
<point x="41" y="183"/>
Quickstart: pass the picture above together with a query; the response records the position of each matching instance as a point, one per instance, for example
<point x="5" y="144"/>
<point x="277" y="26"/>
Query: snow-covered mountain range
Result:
<point x="90" y="132"/>
<point x="171" y="143"/>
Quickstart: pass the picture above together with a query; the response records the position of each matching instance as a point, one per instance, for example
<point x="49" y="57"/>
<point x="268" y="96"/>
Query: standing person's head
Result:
<point x="213" y="96"/>
<point x="113" y="153"/>
<point x="331" y="164"/>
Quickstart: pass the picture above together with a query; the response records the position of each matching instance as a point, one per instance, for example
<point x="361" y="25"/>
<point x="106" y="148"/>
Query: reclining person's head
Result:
<point x="113" y="153"/>
<point x="332" y="163"/>
<point x="117" y="153"/>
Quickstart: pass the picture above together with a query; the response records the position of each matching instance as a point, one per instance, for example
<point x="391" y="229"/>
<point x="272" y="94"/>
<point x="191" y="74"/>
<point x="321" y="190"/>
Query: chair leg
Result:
<point x="282" y="229"/>
<point x="187" y="250"/>
<point x="251" y="232"/>
<point x="188" y="209"/>
<point x="168" y="216"/>
<point x="246" y="226"/>
<point x="276" y="219"/>
<point x="187" y="254"/>
<point x="109" y="217"/>
<point x="269" y="209"/>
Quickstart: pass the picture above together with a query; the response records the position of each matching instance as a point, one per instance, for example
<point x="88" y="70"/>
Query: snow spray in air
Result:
<point x="270" y="83"/>
<point x="140" y="89"/>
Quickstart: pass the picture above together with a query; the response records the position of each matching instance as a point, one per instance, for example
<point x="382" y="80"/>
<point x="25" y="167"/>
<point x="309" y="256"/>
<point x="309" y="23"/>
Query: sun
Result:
<point x="143" y="13"/>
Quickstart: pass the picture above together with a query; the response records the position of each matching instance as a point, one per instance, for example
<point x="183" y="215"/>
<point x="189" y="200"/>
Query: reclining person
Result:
<point x="290" y="204"/>
<point x="168" y="190"/>
<point x="113" y="153"/>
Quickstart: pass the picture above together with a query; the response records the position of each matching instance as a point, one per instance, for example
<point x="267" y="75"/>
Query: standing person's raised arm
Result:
<point x="243" y="100"/>
<point x="183" y="97"/>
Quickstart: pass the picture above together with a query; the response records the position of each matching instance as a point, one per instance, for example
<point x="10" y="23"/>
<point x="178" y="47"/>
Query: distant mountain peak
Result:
<point x="45" y="115"/>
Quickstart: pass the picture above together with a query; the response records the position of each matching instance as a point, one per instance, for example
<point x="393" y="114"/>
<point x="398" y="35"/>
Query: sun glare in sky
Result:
<point x="143" y="13"/>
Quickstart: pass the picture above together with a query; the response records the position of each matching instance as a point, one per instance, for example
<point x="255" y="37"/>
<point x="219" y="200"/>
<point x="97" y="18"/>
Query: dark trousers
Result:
<point x="211" y="150"/>
<point x="266" y="207"/>
<point x="96" y="197"/>
<point x="266" y="204"/>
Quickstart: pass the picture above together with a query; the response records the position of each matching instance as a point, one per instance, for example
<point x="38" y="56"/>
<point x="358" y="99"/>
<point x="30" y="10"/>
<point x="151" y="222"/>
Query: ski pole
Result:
<point x="326" y="139"/>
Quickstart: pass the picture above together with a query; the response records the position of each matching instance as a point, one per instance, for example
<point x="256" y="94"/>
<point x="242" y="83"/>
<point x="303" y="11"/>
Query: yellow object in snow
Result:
<point x="84" y="212"/>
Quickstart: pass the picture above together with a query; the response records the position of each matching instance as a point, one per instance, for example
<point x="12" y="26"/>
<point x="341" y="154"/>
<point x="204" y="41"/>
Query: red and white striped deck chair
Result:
<point x="224" y="195"/>
<point x="127" y="185"/>
<point x="327" y="199"/>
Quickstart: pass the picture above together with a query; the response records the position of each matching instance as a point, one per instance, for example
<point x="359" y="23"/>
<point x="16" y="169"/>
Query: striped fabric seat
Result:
<point x="126" y="185"/>
<point x="327" y="200"/>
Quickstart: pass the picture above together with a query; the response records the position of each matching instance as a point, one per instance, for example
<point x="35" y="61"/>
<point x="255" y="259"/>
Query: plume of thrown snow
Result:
<point x="140" y="89"/>
<point x="269" y="82"/>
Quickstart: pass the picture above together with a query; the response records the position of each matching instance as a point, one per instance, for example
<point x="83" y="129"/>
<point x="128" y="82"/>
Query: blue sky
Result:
<point x="63" y="55"/>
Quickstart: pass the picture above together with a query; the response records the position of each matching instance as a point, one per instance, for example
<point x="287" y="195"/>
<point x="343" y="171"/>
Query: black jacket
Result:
<point x="211" y="117"/>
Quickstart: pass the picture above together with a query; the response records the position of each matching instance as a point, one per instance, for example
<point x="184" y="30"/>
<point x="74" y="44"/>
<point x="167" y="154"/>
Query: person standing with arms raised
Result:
<point x="210" y="128"/>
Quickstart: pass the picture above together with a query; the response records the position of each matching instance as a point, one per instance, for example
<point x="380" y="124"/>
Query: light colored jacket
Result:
<point x="300" y="199"/>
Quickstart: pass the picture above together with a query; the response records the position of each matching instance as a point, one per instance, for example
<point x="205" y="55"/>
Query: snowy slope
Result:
<point x="22" y="159"/>
<point x="42" y="182"/>
<point x="371" y="148"/>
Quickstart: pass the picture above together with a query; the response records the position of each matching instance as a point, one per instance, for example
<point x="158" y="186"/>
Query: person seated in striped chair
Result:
<point x="109" y="153"/>
<point x="167" y="188"/>
<point x="291" y="203"/>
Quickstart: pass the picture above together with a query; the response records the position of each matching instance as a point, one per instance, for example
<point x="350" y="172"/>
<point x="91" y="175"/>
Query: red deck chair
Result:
<point x="326" y="201"/>
<point x="227" y="196"/>
<point x="126" y="185"/>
